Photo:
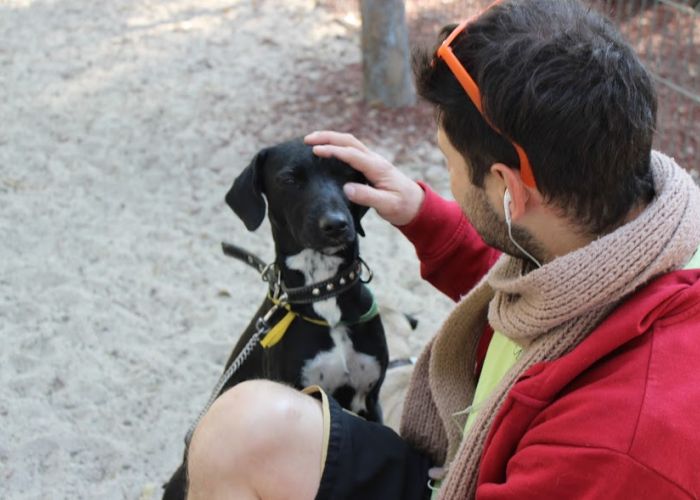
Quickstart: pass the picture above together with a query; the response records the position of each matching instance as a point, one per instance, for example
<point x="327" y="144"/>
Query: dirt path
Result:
<point x="123" y="125"/>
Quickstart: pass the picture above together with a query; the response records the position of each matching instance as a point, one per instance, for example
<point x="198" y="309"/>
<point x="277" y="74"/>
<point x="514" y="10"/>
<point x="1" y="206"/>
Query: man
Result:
<point x="568" y="368"/>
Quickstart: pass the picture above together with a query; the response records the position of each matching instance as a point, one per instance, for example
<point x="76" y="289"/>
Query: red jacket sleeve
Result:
<point x="453" y="256"/>
<point x="560" y="471"/>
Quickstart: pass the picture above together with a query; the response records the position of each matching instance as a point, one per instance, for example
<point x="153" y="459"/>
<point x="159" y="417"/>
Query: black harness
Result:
<point x="282" y="297"/>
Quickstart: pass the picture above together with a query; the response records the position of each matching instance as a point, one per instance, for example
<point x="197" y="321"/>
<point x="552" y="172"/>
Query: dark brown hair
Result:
<point x="559" y="79"/>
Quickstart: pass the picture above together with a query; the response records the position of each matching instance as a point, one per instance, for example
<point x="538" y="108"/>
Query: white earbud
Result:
<point x="506" y="206"/>
<point x="506" y="211"/>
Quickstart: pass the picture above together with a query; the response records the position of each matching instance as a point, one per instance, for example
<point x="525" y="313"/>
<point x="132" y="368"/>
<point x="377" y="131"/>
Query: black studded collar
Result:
<point x="326" y="289"/>
<point x="342" y="281"/>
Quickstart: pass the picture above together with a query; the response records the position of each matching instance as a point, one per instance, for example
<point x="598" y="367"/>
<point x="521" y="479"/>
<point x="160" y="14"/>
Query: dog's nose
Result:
<point x="333" y="224"/>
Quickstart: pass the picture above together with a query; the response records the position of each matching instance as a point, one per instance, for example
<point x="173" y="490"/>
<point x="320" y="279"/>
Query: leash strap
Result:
<point x="244" y="256"/>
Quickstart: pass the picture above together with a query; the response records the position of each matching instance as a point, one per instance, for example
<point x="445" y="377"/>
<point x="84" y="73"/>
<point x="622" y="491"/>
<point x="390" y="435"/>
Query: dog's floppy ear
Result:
<point x="246" y="195"/>
<point x="358" y="211"/>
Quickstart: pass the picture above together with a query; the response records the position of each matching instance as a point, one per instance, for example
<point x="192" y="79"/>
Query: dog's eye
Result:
<point x="292" y="176"/>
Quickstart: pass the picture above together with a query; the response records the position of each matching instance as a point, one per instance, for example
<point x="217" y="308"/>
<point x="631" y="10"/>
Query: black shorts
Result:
<point x="367" y="461"/>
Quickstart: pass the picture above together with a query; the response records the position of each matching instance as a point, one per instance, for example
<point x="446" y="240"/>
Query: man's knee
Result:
<point x="242" y="419"/>
<point x="255" y="416"/>
<point x="253" y="421"/>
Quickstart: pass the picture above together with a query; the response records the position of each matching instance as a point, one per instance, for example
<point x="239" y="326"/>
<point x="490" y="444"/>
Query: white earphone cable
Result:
<point x="506" y="209"/>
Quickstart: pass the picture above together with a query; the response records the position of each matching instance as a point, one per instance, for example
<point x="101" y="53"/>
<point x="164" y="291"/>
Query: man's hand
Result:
<point x="392" y="194"/>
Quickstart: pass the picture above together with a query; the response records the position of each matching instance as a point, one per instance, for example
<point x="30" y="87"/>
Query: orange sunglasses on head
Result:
<point x="459" y="71"/>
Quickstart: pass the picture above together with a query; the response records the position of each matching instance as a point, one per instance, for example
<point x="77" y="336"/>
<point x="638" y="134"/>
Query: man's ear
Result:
<point x="246" y="195"/>
<point x="358" y="211"/>
<point x="510" y="180"/>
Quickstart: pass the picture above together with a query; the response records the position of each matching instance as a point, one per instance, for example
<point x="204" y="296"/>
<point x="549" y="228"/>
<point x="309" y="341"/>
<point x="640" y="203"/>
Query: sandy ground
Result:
<point x="123" y="123"/>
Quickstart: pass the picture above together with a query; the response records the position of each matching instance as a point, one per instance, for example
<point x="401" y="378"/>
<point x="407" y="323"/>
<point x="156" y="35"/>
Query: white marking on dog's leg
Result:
<point x="364" y="375"/>
<point x="341" y="366"/>
<point x="341" y="340"/>
<point x="329" y="369"/>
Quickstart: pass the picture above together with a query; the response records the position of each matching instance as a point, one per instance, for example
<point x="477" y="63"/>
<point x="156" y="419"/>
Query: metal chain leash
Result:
<point x="261" y="328"/>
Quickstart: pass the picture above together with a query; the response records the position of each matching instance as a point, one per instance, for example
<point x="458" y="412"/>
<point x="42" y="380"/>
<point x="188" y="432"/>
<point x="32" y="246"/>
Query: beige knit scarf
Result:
<point x="547" y="311"/>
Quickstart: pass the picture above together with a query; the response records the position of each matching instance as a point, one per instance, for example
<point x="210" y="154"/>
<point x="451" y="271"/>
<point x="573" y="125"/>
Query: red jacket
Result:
<point x="617" y="417"/>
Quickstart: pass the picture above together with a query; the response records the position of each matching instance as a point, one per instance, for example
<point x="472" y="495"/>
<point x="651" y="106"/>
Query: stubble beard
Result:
<point x="494" y="231"/>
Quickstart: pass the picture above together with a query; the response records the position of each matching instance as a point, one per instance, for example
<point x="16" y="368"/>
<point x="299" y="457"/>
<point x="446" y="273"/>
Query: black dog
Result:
<point x="335" y="338"/>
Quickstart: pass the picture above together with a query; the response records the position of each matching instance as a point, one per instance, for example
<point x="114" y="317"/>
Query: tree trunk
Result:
<point x="385" y="54"/>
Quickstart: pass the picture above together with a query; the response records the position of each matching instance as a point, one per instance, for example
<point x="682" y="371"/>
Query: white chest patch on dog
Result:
<point x="318" y="267"/>
<point x="341" y="366"/>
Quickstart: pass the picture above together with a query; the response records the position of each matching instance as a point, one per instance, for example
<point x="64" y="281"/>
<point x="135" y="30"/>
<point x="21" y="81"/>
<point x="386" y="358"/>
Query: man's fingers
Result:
<point x="336" y="139"/>
<point x="398" y="208"/>
<point x="368" y="196"/>
<point x="390" y="193"/>
<point x="370" y="165"/>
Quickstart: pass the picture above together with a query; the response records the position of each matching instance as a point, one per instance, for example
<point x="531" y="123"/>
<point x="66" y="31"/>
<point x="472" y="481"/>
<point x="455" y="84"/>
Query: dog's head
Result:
<point x="304" y="196"/>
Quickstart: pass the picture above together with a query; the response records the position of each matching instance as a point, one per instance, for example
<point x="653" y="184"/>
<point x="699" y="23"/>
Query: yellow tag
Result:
<point x="278" y="331"/>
